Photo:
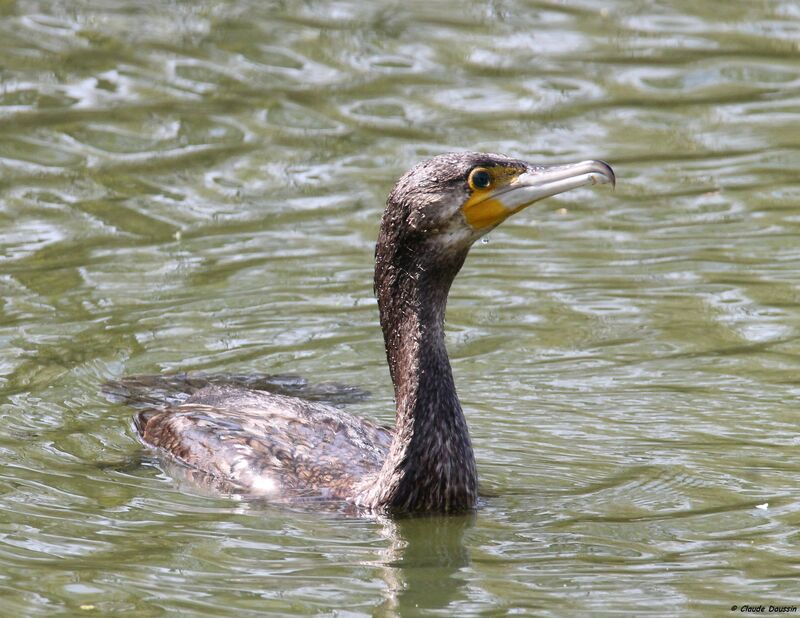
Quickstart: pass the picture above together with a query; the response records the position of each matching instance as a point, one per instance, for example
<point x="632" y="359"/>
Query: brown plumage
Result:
<point x="265" y="444"/>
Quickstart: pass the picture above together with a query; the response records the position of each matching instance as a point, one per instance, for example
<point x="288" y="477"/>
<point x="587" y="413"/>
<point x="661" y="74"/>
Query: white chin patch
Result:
<point x="456" y="236"/>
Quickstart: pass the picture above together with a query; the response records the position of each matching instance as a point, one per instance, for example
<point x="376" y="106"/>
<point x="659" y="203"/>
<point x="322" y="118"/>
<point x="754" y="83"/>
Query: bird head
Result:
<point x="446" y="203"/>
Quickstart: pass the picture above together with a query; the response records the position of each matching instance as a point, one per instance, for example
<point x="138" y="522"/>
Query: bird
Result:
<point x="277" y="447"/>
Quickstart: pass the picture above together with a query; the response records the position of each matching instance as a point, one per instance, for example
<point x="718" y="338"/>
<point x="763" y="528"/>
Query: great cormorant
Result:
<point x="264" y="444"/>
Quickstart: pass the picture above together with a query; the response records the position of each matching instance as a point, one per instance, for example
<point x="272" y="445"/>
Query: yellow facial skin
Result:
<point x="499" y="192"/>
<point x="482" y="210"/>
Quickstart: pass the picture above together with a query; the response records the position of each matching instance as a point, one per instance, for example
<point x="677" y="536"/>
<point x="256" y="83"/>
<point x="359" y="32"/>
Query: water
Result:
<point x="197" y="186"/>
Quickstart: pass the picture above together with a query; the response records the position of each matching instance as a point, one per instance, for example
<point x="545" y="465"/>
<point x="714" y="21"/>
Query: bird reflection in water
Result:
<point x="424" y="566"/>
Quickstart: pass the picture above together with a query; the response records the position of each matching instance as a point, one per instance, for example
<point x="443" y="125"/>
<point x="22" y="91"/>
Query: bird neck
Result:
<point x="430" y="465"/>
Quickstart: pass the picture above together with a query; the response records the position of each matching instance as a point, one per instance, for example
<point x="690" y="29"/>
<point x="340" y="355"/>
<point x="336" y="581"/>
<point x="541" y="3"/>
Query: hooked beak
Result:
<point x="531" y="186"/>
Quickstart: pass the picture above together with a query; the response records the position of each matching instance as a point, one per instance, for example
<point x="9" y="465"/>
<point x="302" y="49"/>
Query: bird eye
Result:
<point x="479" y="178"/>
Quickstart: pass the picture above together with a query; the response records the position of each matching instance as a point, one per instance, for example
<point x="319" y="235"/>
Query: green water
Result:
<point x="197" y="186"/>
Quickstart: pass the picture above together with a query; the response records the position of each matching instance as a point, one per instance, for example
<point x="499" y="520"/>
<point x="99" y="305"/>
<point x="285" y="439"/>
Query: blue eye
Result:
<point x="480" y="178"/>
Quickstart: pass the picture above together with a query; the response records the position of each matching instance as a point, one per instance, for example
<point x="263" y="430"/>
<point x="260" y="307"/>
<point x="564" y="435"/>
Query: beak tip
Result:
<point x="606" y="171"/>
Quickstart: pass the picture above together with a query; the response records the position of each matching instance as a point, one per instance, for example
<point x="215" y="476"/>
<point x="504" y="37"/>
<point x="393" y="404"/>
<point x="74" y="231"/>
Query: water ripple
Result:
<point x="198" y="186"/>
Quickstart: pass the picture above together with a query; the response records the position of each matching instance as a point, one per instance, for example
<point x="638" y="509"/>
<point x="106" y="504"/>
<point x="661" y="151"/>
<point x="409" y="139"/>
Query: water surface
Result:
<point x="196" y="186"/>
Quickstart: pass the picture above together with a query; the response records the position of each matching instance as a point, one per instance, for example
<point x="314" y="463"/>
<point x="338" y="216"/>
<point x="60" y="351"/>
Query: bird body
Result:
<point x="268" y="444"/>
<point x="265" y="444"/>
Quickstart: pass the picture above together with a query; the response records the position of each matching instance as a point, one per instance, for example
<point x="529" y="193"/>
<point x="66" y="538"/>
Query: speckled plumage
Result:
<point x="267" y="444"/>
